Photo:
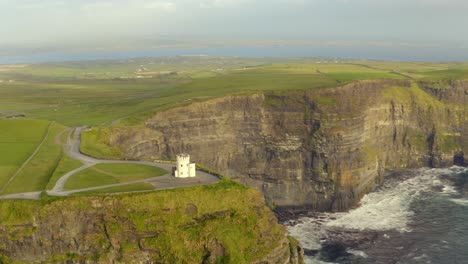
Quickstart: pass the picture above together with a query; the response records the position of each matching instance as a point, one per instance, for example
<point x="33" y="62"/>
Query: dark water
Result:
<point x="420" y="216"/>
<point x="396" y="53"/>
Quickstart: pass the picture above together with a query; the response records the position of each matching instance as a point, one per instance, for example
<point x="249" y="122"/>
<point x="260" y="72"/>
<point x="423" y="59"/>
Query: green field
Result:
<point x="33" y="159"/>
<point x="35" y="175"/>
<point x="18" y="140"/>
<point x="103" y="92"/>
<point x="106" y="174"/>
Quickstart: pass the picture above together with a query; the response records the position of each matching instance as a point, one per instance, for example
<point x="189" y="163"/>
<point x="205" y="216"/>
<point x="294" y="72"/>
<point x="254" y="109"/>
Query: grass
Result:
<point x="22" y="130"/>
<point x="65" y="165"/>
<point x="450" y="74"/>
<point x="96" y="143"/>
<point x="18" y="140"/>
<point x="106" y="174"/>
<point x="110" y="69"/>
<point x="37" y="172"/>
<point x="135" y="187"/>
<point x="413" y="93"/>
<point x="11" y="158"/>
<point x="130" y="172"/>
<point x="89" y="178"/>
<point x="92" y="93"/>
<point x="254" y="80"/>
<point x="82" y="102"/>
<point x="101" y="92"/>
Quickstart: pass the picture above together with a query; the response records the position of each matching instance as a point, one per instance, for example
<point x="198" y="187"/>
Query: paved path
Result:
<point x="160" y="183"/>
<point x="22" y="196"/>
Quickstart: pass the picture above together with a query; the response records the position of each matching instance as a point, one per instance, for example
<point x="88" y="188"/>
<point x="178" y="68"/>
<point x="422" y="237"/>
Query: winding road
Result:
<point x="167" y="181"/>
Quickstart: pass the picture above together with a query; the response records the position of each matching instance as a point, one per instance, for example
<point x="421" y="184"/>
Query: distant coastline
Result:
<point x="397" y="53"/>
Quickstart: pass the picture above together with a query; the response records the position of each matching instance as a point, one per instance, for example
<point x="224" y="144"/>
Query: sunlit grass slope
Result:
<point x="95" y="143"/>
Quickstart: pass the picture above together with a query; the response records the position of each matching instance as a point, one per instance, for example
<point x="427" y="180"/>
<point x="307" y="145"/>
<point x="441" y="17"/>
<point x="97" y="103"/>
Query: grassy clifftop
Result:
<point x="221" y="223"/>
<point x="95" y="93"/>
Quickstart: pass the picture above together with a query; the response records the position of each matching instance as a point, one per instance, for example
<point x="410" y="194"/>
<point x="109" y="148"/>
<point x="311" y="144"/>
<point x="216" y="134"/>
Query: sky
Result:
<point x="32" y="26"/>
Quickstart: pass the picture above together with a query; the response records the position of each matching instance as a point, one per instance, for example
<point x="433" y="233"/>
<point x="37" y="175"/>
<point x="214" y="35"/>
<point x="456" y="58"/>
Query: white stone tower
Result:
<point x="184" y="169"/>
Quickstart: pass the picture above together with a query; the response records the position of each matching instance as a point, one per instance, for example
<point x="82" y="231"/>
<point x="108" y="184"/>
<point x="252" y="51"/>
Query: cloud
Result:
<point x="87" y="21"/>
<point x="163" y="6"/>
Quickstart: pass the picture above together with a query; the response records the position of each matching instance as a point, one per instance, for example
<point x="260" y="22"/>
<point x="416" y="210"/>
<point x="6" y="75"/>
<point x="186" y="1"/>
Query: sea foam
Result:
<point x="463" y="202"/>
<point x="389" y="207"/>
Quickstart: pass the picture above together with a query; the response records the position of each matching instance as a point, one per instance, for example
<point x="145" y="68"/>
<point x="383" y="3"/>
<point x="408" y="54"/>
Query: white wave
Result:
<point x="382" y="210"/>
<point x="463" y="202"/>
<point x="389" y="208"/>
<point x="315" y="260"/>
<point x="458" y="169"/>
<point x="310" y="231"/>
<point x="449" y="189"/>
<point x="378" y="213"/>
<point x="358" y="253"/>
<point x="422" y="258"/>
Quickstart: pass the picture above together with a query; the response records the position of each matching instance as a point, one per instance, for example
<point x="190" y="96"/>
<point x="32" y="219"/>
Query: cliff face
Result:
<point x="321" y="149"/>
<point x="180" y="226"/>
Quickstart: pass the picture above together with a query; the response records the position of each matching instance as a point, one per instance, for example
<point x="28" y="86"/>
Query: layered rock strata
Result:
<point x="320" y="149"/>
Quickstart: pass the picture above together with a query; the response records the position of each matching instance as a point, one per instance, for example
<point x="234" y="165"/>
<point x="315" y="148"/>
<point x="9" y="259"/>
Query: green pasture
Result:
<point x="110" y="173"/>
<point x="35" y="175"/>
<point x="352" y="72"/>
<point x="128" y="91"/>
<point x="22" y="130"/>
<point x="82" y="102"/>
<point x="18" y="140"/>
<point x="449" y="74"/>
<point x="194" y="66"/>
<point x="12" y="155"/>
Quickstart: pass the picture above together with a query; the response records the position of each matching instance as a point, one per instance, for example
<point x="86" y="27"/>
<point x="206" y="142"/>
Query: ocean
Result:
<point x="394" y="53"/>
<point x="416" y="216"/>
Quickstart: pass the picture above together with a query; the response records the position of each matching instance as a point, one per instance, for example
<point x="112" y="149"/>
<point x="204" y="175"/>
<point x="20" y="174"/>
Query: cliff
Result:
<point x="221" y="223"/>
<point x="320" y="149"/>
